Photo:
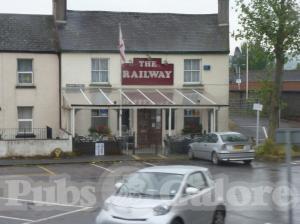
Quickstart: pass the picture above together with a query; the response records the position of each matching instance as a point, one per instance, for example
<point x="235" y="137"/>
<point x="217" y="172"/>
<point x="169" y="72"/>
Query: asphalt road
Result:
<point x="89" y="184"/>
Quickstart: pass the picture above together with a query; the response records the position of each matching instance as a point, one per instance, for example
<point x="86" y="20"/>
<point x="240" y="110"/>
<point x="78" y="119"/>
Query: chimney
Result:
<point x="223" y="14"/>
<point x="60" y="10"/>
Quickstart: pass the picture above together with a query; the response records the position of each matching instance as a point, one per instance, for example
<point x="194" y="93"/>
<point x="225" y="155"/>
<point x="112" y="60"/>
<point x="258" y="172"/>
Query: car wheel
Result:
<point x="191" y="154"/>
<point x="214" y="158"/>
<point x="177" y="221"/>
<point x="247" y="162"/>
<point x="219" y="217"/>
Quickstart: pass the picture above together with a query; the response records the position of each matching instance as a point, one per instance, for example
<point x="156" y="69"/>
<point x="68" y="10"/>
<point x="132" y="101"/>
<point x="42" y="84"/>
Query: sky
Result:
<point x="173" y="6"/>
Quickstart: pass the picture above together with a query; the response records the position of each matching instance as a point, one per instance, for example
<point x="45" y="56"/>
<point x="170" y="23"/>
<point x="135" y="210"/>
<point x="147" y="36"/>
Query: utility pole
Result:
<point x="247" y="72"/>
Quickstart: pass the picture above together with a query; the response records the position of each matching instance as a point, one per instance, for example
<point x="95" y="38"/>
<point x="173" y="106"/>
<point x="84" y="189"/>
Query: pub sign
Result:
<point x="144" y="71"/>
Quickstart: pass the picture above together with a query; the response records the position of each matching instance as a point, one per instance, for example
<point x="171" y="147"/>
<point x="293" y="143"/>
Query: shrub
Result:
<point x="100" y="130"/>
<point x="272" y="150"/>
<point x="192" y="129"/>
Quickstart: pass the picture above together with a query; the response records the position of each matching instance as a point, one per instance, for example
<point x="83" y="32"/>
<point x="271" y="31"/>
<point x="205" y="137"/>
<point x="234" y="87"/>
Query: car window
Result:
<point x="199" y="139"/>
<point x="212" y="138"/>
<point x="205" y="138"/>
<point x="197" y="180"/>
<point x="234" y="138"/>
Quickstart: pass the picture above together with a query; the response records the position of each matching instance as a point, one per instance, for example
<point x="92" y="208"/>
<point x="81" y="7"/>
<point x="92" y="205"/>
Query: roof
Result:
<point x="90" y="31"/>
<point x="289" y="75"/>
<point x="175" y="169"/>
<point x="27" y="33"/>
<point x="288" y="86"/>
<point x="142" y="97"/>
<point x="291" y="80"/>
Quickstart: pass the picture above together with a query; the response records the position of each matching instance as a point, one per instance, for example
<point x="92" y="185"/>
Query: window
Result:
<point x="192" y="120"/>
<point x="100" y="70"/>
<point x="99" y="118"/>
<point x="25" y="121"/>
<point x="192" y="71"/>
<point x="172" y="120"/>
<point x="197" y="180"/>
<point x="25" y="73"/>
<point x="212" y="138"/>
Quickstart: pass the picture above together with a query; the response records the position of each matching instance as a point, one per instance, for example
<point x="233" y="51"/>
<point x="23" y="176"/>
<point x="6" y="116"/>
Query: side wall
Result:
<point x="43" y="97"/>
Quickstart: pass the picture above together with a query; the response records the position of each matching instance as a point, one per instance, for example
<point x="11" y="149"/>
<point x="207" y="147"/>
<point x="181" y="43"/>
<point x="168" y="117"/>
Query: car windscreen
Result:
<point x="151" y="185"/>
<point x="234" y="138"/>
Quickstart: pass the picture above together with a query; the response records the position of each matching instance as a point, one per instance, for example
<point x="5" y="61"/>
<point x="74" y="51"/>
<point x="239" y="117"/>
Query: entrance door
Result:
<point x="149" y="128"/>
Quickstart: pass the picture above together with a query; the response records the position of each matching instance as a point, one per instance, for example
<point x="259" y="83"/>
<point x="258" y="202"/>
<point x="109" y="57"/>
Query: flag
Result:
<point x="121" y="46"/>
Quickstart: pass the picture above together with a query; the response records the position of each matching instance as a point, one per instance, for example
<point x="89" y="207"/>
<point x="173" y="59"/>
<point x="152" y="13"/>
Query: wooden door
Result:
<point x="149" y="128"/>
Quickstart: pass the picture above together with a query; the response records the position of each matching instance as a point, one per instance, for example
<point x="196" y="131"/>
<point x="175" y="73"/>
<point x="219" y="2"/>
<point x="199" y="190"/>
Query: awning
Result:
<point x="140" y="98"/>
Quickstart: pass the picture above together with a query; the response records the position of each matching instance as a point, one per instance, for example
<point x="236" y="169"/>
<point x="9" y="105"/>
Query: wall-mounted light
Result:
<point x="165" y="61"/>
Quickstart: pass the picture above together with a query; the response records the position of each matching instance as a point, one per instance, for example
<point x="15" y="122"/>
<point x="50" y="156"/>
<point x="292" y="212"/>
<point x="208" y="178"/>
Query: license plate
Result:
<point x="238" y="147"/>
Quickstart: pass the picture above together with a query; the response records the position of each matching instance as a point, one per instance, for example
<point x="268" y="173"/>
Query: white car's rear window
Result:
<point x="234" y="138"/>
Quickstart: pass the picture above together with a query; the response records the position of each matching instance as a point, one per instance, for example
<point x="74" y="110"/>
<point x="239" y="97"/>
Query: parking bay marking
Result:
<point x="15" y="218"/>
<point x="43" y="202"/>
<point x="57" y="216"/>
<point x="47" y="170"/>
<point x="149" y="164"/>
<point x="101" y="167"/>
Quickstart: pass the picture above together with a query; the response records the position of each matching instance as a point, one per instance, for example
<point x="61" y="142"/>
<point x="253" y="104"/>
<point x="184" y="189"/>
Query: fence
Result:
<point x="19" y="134"/>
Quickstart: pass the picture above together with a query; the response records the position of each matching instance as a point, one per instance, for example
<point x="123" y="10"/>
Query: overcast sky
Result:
<point x="175" y="6"/>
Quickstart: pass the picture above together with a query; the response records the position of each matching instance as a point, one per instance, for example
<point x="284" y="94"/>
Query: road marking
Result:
<point x="15" y="218"/>
<point x="24" y="175"/>
<point x="248" y="126"/>
<point x="150" y="164"/>
<point x="136" y="157"/>
<point x="162" y="156"/>
<point x="101" y="167"/>
<point x="57" y="216"/>
<point x="43" y="202"/>
<point x="47" y="170"/>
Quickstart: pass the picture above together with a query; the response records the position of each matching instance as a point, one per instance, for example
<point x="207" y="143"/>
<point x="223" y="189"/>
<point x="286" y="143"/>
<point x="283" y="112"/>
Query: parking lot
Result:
<point x="94" y="182"/>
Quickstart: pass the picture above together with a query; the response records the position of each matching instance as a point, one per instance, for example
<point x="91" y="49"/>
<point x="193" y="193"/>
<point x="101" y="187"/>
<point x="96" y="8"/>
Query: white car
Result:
<point x="164" y="195"/>
<point x="222" y="146"/>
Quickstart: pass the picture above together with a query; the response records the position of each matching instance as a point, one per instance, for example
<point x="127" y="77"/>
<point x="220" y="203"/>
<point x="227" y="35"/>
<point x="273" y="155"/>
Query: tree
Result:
<point x="275" y="26"/>
<point x="259" y="59"/>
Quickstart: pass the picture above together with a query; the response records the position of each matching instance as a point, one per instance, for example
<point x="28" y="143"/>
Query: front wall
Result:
<point x="44" y="98"/>
<point x="76" y="69"/>
<point x="31" y="148"/>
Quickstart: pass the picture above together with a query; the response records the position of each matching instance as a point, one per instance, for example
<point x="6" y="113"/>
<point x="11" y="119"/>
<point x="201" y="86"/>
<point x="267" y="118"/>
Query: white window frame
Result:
<point x="26" y="72"/>
<point x="100" y="116"/>
<point x="26" y="120"/>
<point x="99" y="113"/>
<point x="200" y="71"/>
<point x="108" y="66"/>
<point x="191" y="115"/>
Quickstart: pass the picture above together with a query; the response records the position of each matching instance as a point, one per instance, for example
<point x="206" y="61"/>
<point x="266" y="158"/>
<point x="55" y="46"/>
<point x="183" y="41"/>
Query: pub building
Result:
<point x="175" y="78"/>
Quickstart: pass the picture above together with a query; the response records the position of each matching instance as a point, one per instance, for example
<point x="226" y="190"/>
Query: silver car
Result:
<point x="222" y="146"/>
<point x="164" y="195"/>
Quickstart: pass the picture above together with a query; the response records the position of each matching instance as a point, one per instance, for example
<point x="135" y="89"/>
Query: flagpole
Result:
<point x="121" y="62"/>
